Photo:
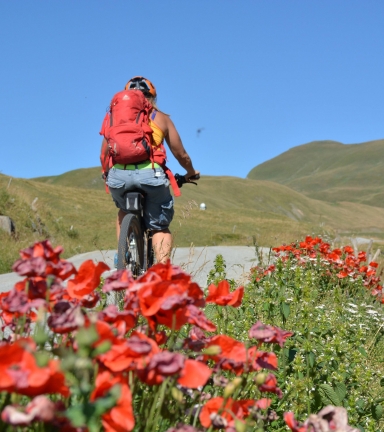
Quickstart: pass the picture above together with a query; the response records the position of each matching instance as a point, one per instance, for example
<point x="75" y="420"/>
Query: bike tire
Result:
<point x="149" y="252"/>
<point x="130" y="248"/>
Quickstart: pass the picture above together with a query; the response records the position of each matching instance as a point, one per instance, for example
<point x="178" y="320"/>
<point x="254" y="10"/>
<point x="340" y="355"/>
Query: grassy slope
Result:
<point x="237" y="209"/>
<point x="73" y="209"/>
<point x="85" y="177"/>
<point x="274" y="213"/>
<point x="330" y="171"/>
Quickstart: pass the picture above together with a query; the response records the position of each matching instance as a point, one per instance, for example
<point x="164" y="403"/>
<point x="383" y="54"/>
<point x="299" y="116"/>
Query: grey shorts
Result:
<point x="158" y="209"/>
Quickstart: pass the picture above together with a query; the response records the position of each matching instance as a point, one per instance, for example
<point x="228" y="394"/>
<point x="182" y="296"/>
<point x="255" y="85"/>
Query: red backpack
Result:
<point x="128" y="134"/>
<point x="126" y="129"/>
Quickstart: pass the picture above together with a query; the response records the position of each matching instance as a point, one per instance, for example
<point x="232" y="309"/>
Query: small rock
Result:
<point x="6" y="224"/>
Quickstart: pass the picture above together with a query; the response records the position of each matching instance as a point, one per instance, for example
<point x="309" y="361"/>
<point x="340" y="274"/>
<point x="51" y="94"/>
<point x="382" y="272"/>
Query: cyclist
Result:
<point x="158" y="211"/>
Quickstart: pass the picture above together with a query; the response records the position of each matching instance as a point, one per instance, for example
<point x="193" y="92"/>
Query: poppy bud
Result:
<point x="240" y="426"/>
<point x="40" y="335"/>
<point x="260" y="378"/>
<point x="83" y="363"/>
<point x="212" y="350"/>
<point x="102" y="348"/>
<point x="177" y="394"/>
<point x="85" y="337"/>
<point x="231" y="387"/>
<point x="41" y="313"/>
<point x="42" y="358"/>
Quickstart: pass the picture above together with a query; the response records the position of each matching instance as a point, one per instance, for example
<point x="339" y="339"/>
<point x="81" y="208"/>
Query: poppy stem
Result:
<point x="156" y="406"/>
<point x="7" y="400"/>
<point x="173" y="332"/>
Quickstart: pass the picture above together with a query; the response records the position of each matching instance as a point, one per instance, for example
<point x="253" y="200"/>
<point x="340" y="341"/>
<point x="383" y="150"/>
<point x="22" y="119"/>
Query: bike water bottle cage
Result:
<point x="134" y="202"/>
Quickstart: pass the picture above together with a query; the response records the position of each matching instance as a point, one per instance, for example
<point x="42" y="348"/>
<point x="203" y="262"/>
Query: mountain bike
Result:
<point x="135" y="251"/>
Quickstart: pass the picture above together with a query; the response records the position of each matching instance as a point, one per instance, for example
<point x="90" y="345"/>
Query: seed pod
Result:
<point x="260" y="378"/>
<point x="231" y="387"/>
<point x="240" y="426"/>
<point x="177" y="394"/>
<point x="212" y="350"/>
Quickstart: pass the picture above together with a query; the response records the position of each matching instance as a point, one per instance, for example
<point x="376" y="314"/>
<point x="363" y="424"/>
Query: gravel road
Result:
<point x="197" y="261"/>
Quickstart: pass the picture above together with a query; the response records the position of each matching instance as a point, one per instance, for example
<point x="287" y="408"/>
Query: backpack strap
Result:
<point x="172" y="180"/>
<point x="159" y="157"/>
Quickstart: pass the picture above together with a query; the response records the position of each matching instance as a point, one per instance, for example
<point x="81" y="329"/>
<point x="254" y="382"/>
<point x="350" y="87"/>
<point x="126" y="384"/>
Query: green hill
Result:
<point x="239" y="211"/>
<point x="330" y="171"/>
<point x="89" y="178"/>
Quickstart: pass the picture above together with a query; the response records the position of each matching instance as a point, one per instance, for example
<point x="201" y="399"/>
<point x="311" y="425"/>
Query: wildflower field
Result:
<point x="300" y="347"/>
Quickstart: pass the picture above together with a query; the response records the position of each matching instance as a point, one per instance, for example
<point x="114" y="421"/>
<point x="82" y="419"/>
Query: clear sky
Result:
<point x="260" y="76"/>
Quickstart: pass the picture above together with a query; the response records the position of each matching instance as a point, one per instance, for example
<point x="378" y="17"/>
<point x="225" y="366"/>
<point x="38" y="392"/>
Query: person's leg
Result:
<point x="162" y="245"/>
<point x="158" y="211"/>
<point x="119" y="220"/>
<point x="119" y="181"/>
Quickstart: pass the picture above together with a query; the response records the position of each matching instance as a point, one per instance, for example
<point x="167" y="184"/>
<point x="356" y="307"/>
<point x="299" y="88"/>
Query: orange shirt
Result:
<point x="157" y="133"/>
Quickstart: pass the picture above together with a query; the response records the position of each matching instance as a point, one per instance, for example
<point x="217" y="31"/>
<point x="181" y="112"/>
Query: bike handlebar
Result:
<point x="181" y="179"/>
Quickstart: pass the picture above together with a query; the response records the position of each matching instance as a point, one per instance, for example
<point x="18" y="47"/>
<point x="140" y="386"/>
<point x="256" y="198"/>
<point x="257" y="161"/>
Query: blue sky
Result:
<point x="260" y="76"/>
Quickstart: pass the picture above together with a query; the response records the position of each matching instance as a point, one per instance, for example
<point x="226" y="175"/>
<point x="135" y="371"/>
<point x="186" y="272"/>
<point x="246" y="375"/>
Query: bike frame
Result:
<point x="133" y="229"/>
<point x="140" y="257"/>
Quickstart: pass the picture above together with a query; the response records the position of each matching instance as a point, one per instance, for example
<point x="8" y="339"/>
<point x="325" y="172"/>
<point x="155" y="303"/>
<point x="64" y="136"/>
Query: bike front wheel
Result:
<point x="130" y="253"/>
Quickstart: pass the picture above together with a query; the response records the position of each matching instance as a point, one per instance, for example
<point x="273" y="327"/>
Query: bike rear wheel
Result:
<point x="148" y="251"/>
<point x="130" y="253"/>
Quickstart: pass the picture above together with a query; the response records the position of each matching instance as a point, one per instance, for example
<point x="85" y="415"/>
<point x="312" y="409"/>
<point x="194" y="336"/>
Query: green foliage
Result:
<point x="336" y="355"/>
<point x="218" y="273"/>
<point x="6" y="202"/>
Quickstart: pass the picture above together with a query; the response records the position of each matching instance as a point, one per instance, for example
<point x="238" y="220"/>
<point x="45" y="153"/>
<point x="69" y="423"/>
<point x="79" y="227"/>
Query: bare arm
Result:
<point x="176" y="146"/>
<point x="104" y="156"/>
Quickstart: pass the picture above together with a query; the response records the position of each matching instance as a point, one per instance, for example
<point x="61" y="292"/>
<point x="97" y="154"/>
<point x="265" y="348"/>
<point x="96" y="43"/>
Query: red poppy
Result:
<point x="224" y="411"/>
<point x="38" y="287"/>
<point x="194" y="374"/>
<point x="196" y="339"/>
<point x="263" y="403"/>
<point x="42" y="249"/>
<point x="270" y="386"/>
<point x="262" y="360"/>
<point x="86" y="280"/>
<point x="183" y="428"/>
<point x="269" y="334"/>
<point x="197" y="317"/>
<point x="65" y="317"/>
<point x="41" y="408"/>
<point x="165" y="296"/>
<point x="289" y="418"/>
<point x="362" y="256"/>
<point x="223" y="297"/>
<point x="122" y="320"/>
<point x="120" y="418"/>
<point x="230" y="348"/>
<point x="232" y="356"/>
<point x="189" y="373"/>
<point x="19" y="372"/>
<point x="133" y="353"/>
<point x="118" y="281"/>
<point x="42" y="260"/>
<point x="348" y="250"/>
<point x="17" y="302"/>
<point x="90" y="301"/>
<point x="161" y="366"/>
